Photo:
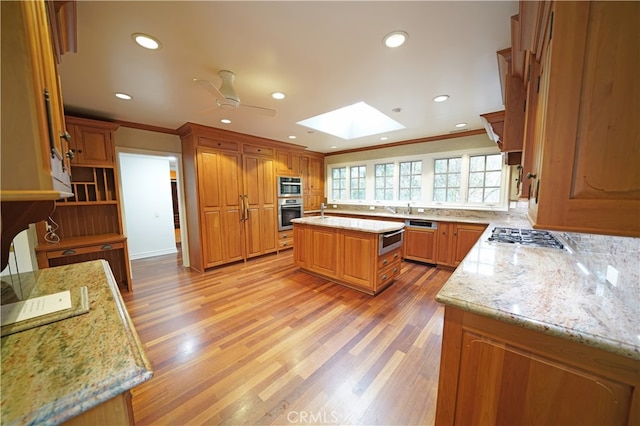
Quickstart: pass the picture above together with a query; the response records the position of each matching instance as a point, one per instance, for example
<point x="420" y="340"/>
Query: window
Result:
<point x="358" y="182"/>
<point x="474" y="178"/>
<point x="410" y="180"/>
<point x="384" y="181"/>
<point x="446" y="180"/>
<point x="339" y="183"/>
<point x="485" y="175"/>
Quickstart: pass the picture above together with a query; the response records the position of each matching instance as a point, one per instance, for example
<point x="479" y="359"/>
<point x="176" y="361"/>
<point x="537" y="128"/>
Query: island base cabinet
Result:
<point x="116" y="411"/>
<point x="496" y="373"/>
<point x="346" y="257"/>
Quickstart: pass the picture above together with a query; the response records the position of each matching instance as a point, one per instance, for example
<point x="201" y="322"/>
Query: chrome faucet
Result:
<point x="322" y="210"/>
<point x="391" y="209"/>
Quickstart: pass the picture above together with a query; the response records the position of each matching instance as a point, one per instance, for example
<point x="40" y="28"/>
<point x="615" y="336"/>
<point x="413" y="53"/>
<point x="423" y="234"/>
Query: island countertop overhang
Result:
<point x="363" y="225"/>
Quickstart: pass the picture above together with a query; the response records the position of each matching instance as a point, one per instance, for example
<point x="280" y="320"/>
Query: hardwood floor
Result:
<point x="264" y="343"/>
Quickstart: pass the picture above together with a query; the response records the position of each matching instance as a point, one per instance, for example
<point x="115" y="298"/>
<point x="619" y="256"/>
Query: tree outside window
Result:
<point x="446" y="180"/>
<point x="358" y="182"/>
<point x="384" y="181"/>
<point x="339" y="183"/>
<point x="485" y="173"/>
<point x="410" y="180"/>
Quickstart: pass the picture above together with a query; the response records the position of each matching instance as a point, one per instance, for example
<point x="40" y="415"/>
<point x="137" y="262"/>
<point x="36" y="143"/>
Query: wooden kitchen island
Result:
<point x="362" y="254"/>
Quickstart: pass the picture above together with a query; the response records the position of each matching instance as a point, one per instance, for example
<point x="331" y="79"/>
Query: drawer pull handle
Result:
<point x="384" y="277"/>
<point x="384" y="262"/>
<point x="284" y="235"/>
<point x="285" y="243"/>
<point x="395" y="256"/>
<point x="68" y="252"/>
<point x="106" y="247"/>
<point x="395" y="270"/>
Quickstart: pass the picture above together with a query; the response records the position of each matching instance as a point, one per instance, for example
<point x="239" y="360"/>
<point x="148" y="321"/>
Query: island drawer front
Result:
<point x="388" y="258"/>
<point x="84" y="250"/>
<point x="388" y="274"/>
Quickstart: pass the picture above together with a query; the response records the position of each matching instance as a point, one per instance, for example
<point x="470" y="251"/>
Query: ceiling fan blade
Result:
<point x="260" y="110"/>
<point x="211" y="88"/>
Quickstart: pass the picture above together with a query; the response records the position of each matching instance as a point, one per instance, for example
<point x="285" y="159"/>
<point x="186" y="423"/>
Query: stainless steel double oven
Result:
<point x="290" y="202"/>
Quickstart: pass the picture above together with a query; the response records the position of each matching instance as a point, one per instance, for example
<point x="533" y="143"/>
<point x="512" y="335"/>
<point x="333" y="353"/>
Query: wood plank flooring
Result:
<point x="264" y="343"/>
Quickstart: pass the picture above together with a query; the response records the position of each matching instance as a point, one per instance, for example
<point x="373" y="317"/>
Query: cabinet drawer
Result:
<point x="388" y="258"/>
<point x="83" y="250"/>
<point x="212" y="143"/>
<point x="288" y="243"/>
<point x="388" y="274"/>
<point x="283" y="235"/>
<point x="260" y="150"/>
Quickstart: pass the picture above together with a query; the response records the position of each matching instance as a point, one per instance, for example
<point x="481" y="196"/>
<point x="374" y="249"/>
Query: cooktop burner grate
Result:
<point x="528" y="237"/>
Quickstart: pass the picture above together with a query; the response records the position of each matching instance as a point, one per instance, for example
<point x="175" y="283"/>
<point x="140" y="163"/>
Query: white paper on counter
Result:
<point x="35" y="307"/>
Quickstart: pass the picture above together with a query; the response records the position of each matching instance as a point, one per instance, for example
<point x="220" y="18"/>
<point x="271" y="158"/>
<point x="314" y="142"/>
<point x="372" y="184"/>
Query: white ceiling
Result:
<point x="323" y="55"/>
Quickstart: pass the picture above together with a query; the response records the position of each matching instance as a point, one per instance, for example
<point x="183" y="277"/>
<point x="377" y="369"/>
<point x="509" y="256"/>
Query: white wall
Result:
<point x="22" y="258"/>
<point x="147" y="205"/>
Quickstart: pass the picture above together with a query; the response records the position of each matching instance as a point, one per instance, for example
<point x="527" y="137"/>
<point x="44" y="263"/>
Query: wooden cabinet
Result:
<point x="88" y="224"/>
<point x="420" y="244"/>
<point x="585" y="175"/>
<point x="497" y="373"/>
<point x="455" y="240"/>
<point x="34" y="162"/>
<point x="91" y="142"/>
<point x="288" y="163"/>
<point x="285" y="240"/>
<point x="230" y="190"/>
<point x="345" y="256"/>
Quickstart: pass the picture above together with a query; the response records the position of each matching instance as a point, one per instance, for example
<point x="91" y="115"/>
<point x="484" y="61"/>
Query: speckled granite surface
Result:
<point x="364" y="225"/>
<point x="56" y="371"/>
<point x="559" y="292"/>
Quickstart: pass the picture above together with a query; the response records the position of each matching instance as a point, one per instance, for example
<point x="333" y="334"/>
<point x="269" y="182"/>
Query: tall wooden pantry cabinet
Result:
<point x="88" y="225"/>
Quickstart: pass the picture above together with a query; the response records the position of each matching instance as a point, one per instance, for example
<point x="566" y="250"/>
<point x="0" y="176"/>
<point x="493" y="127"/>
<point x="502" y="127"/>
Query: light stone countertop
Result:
<point x="564" y="293"/>
<point x="57" y="371"/>
<point x="364" y="225"/>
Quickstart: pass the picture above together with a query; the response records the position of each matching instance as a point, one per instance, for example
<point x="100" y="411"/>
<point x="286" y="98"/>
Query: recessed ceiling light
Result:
<point x="384" y="138"/>
<point x="225" y="121"/>
<point x="395" y="39"/>
<point x="123" y="96"/>
<point x="146" y="41"/>
<point x="292" y="137"/>
<point x="461" y="124"/>
<point x="441" y="98"/>
<point x="333" y="147"/>
<point x="278" y="95"/>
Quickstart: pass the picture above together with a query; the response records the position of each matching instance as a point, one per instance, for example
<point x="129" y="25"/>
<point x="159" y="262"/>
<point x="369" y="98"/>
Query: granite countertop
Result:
<point x="364" y="225"/>
<point x="57" y="371"/>
<point x="564" y="293"/>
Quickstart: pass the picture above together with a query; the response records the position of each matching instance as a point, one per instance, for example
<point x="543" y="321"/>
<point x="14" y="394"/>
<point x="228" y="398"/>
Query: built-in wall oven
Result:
<point x="289" y="186"/>
<point x="288" y="209"/>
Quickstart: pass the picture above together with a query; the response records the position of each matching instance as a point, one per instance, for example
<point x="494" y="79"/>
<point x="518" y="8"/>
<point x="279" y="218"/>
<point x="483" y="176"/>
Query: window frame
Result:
<point x="427" y="184"/>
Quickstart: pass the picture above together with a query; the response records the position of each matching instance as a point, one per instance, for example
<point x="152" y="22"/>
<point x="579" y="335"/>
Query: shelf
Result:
<point x="84" y="241"/>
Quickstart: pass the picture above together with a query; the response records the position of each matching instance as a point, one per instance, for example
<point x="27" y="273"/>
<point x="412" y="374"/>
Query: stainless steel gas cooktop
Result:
<point x="527" y="237"/>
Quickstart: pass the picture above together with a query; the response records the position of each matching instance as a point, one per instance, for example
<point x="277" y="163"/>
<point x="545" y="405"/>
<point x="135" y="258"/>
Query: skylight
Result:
<point x="353" y="121"/>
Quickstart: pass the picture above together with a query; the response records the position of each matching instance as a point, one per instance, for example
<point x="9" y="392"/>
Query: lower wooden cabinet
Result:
<point x="285" y="240"/>
<point x="455" y="240"/>
<point x="110" y="247"/>
<point x="346" y="257"/>
<point x="420" y="244"/>
<point x="116" y="411"/>
<point x="497" y="373"/>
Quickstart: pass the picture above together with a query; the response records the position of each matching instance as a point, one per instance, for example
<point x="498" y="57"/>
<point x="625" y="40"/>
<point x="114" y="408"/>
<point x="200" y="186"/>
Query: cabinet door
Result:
<point x="231" y="187"/>
<point x="445" y="244"/>
<point x="465" y="236"/>
<point x="91" y="146"/>
<point x="261" y="221"/>
<point x="324" y="256"/>
<point x="499" y="384"/>
<point x="358" y="259"/>
<point x="316" y="174"/>
<point x="420" y="244"/>
<point x="589" y="180"/>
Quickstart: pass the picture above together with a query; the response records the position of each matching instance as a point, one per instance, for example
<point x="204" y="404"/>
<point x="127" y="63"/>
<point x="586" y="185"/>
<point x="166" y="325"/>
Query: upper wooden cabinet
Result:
<point x="92" y="142"/>
<point x="585" y="175"/>
<point x="34" y="163"/>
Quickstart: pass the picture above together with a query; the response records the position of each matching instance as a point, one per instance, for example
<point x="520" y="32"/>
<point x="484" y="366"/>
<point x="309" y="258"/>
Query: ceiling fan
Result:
<point x="226" y="96"/>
